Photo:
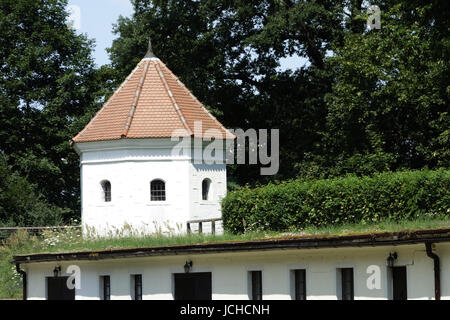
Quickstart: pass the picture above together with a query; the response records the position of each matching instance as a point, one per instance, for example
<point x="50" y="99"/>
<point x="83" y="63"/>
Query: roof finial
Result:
<point x="150" y="53"/>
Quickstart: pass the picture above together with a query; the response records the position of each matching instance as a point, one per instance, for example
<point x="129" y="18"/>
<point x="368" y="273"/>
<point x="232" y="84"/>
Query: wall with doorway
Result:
<point x="230" y="273"/>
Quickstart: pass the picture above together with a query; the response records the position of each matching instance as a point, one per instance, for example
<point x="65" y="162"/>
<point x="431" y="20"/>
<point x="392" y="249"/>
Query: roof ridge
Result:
<point x="97" y="114"/>
<point x="135" y="100"/>
<point x="172" y="99"/>
<point x="181" y="84"/>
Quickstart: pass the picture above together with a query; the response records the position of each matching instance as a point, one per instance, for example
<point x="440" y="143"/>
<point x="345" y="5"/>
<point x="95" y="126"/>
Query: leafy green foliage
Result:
<point x="228" y="53"/>
<point x="365" y="101"/>
<point x="21" y="204"/>
<point x="10" y="280"/>
<point x="296" y="204"/>
<point x="389" y="108"/>
<point x="48" y="85"/>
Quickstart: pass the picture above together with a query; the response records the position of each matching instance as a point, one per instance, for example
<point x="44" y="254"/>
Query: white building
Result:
<point x="368" y="266"/>
<point x="133" y="173"/>
<point x="147" y="160"/>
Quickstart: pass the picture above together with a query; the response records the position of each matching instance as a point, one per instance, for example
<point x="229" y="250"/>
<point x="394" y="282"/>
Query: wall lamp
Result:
<point x="391" y="259"/>
<point x="56" y="271"/>
<point x="187" y="266"/>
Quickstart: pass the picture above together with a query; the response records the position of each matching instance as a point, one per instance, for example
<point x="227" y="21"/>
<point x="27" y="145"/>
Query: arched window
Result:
<point x="206" y="186"/>
<point x="106" y="186"/>
<point x="157" y="190"/>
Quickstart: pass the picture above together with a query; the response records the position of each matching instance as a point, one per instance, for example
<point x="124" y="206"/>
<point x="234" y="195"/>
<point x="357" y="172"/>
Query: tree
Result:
<point x="21" y="204"/>
<point x="340" y="113"/>
<point x="228" y="53"/>
<point x="48" y="89"/>
<point x="365" y="101"/>
<point x="389" y="108"/>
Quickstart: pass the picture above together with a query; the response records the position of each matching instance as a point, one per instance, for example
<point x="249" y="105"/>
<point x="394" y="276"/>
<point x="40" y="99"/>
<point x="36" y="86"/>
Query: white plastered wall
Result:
<point x="130" y="166"/>
<point x="230" y="273"/>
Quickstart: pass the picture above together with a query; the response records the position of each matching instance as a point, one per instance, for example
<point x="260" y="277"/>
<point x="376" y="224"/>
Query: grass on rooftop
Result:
<point x="71" y="240"/>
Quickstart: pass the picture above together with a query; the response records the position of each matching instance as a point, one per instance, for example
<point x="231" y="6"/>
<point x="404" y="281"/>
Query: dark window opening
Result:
<point x="399" y="283"/>
<point x="137" y="286"/>
<point x="347" y="283"/>
<point x="256" y="285"/>
<point x="206" y="185"/>
<point x="106" y="186"/>
<point x="300" y="284"/>
<point x="106" y="287"/>
<point x="158" y="190"/>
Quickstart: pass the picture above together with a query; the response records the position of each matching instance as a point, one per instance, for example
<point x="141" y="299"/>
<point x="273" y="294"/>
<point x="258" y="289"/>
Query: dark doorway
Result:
<point x="399" y="283"/>
<point x="256" y="278"/>
<point x="193" y="286"/>
<point x="57" y="289"/>
<point x="300" y="284"/>
<point x="347" y="284"/>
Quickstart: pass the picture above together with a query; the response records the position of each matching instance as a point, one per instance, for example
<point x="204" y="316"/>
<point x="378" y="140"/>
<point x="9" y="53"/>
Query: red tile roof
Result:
<point x="151" y="103"/>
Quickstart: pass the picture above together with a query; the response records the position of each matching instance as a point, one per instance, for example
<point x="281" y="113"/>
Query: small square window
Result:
<point x="299" y="284"/>
<point x="347" y="285"/>
<point x="158" y="190"/>
<point x="256" y="285"/>
<point x="206" y="186"/>
<point x="105" y="287"/>
<point x="106" y="186"/>
<point x="136" y="281"/>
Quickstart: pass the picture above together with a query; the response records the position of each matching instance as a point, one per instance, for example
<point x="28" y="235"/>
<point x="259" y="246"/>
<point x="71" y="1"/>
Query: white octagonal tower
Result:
<point x="153" y="158"/>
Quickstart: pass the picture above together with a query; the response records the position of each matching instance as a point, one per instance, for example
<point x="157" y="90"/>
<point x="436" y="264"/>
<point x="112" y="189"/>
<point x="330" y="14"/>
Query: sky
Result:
<point x="95" y="18"/>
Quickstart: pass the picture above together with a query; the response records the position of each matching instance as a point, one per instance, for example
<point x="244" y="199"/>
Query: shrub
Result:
<point x="10" y="280"/>
<point x="296" y="204"/>
<point x="21" y="203"/>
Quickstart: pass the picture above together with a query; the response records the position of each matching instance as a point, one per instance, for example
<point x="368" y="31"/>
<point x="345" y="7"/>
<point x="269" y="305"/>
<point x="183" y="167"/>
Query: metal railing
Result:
<point x="6" y="232"/>
<point x="200" y="225"/>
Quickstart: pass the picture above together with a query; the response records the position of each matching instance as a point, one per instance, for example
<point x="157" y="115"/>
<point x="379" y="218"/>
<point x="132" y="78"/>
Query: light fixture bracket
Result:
<point x="56" y="271"/>
<point x="391" y="259"/>
<point x="188" y="266"/>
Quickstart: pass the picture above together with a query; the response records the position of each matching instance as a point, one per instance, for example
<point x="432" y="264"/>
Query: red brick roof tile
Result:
<point x="151" y="103"/>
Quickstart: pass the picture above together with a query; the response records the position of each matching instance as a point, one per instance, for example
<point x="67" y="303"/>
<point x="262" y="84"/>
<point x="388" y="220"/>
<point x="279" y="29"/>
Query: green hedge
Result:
<point x="297" y="204"/>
